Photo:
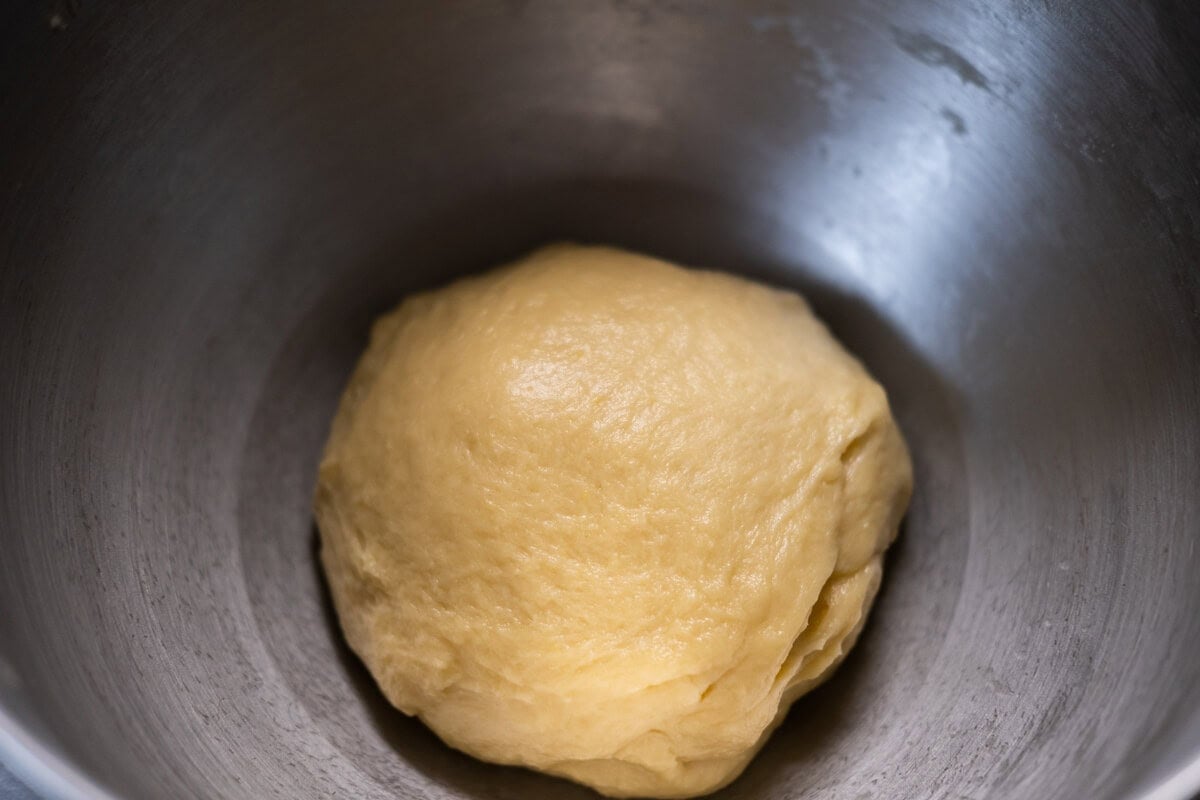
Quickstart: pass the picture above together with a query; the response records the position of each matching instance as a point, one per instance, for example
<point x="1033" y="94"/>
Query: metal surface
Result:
<point x="997" y="204"/>
<point x="12" y="789"/>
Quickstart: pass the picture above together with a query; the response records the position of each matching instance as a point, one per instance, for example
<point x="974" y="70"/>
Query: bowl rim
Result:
<point x="43" y="771"/>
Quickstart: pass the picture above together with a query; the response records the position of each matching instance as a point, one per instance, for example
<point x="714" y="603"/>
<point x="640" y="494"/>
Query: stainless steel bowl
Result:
<point x="997" y="204"/>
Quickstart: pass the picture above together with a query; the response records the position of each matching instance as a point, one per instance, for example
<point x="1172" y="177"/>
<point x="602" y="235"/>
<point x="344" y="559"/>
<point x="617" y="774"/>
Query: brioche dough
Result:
<point x="604" y="517"/>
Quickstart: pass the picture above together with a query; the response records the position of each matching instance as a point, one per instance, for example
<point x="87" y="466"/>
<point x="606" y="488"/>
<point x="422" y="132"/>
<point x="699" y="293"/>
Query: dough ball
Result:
<point x="605" y="517"/>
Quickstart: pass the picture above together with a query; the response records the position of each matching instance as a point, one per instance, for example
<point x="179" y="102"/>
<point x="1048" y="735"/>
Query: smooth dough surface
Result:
<point x="605" y="517"/>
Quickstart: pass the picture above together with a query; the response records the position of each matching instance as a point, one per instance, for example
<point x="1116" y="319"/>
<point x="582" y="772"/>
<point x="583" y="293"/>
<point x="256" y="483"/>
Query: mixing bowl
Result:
<point x="205" y="202"/>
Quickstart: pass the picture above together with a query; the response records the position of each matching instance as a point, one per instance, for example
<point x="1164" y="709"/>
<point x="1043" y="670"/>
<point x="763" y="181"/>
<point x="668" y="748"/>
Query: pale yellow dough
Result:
<point x="604" y="517"/>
